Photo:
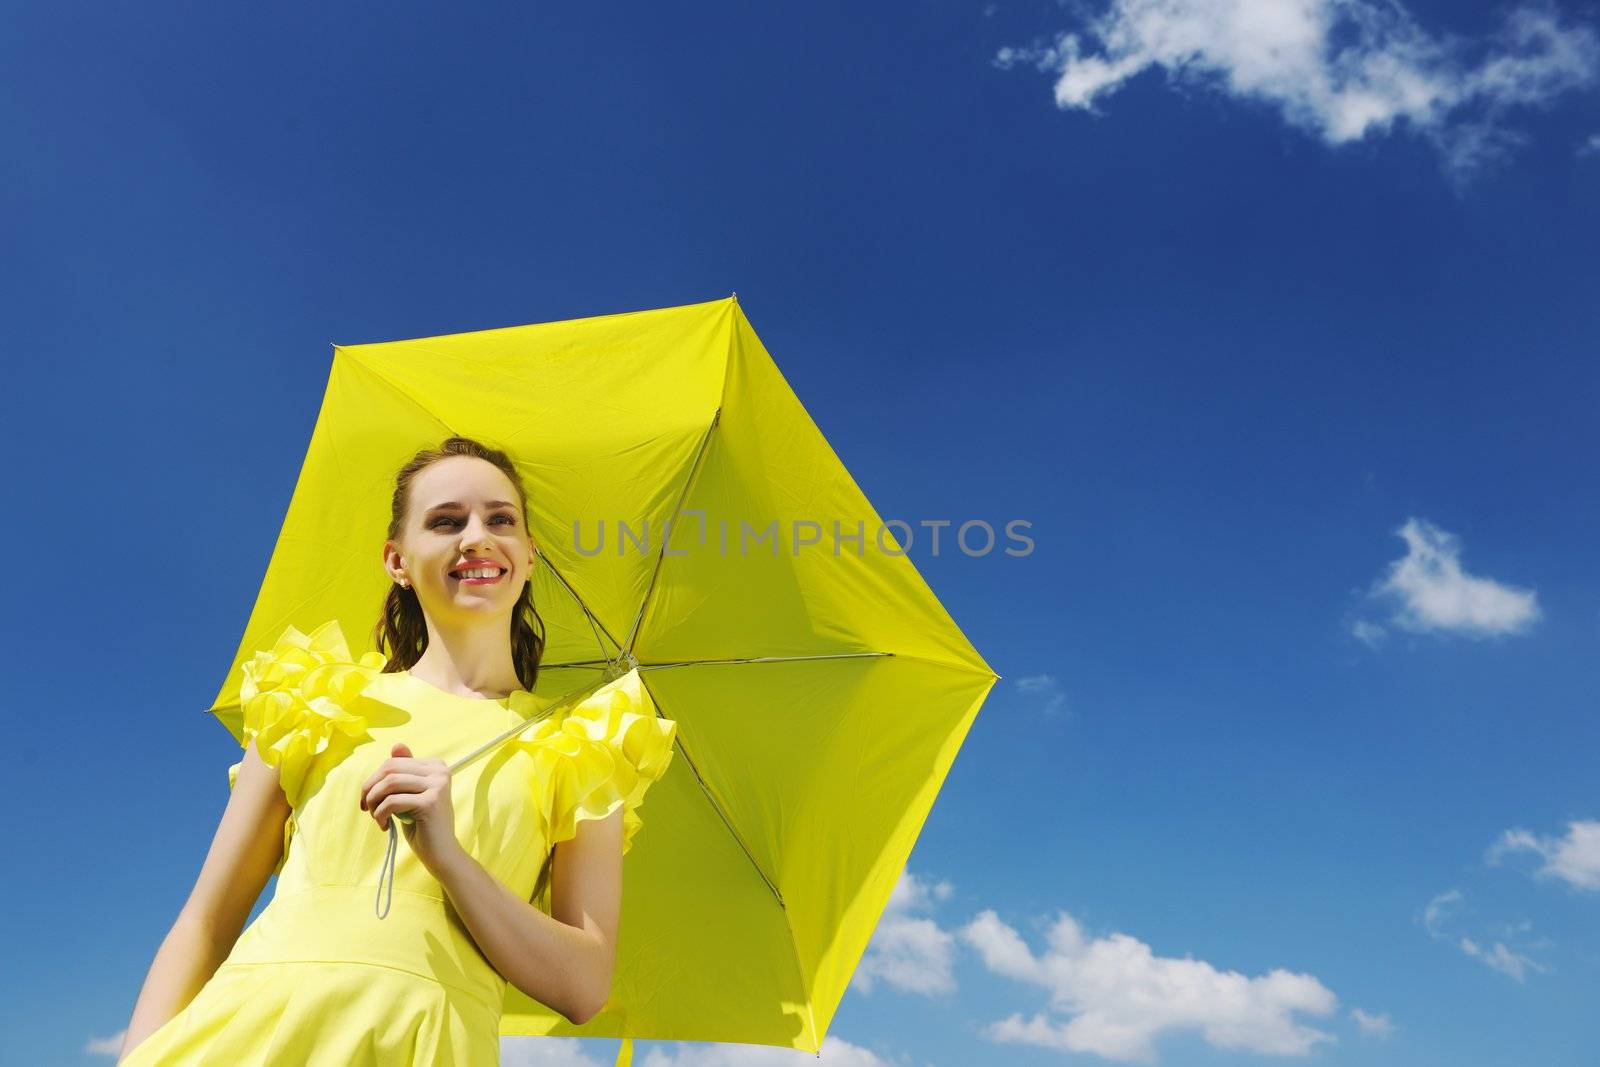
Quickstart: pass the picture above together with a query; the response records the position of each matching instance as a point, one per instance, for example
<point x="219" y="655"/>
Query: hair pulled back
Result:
<point x="402" y="633"/>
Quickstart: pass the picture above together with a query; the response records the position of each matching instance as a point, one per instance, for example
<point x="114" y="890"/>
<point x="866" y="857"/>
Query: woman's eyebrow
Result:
<point x="456" y="504"/>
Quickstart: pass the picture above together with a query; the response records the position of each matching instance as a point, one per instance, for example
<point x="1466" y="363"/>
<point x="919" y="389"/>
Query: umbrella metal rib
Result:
<point x="625" y="652"/>
<point x="738" y="659"/>
<point x="594" y="623"/>
<point x="677" y="511"/>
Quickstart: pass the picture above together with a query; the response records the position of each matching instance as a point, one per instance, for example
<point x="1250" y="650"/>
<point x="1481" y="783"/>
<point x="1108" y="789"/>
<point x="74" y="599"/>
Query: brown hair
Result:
<point x="402" y="634"/>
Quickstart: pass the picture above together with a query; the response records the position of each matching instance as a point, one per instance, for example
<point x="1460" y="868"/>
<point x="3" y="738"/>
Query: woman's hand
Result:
<point x="422" y="788"/>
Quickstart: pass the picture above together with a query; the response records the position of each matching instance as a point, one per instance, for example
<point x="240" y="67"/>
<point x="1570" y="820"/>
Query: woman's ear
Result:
<point x="392" y="564"/>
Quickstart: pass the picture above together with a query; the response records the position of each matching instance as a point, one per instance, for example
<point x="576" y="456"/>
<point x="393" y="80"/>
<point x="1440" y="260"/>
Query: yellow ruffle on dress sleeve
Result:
<point x="296" y="699"/>
<point x="601" y="755"/>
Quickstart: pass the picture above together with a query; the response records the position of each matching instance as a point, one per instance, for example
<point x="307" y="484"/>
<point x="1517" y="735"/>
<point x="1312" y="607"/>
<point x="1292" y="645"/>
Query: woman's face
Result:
<point x="462" y="512"/>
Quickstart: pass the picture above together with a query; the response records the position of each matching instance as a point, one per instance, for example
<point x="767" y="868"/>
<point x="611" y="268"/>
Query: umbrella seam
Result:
<point x="371" y="368"/>
<point x="683" y="494"/>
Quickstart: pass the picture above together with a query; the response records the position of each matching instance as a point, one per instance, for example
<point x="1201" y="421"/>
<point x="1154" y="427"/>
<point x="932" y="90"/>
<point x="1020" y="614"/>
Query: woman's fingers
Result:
<point x="399" y="765"/>
<point x="394" y="782"/>
<point x="396" y="802"/>
<point x="387" y="767"/>
<point x="403" y="783"/>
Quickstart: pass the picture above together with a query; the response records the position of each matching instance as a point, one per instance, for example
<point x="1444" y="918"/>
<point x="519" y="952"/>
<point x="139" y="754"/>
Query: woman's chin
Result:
<point x="471" y="603"/>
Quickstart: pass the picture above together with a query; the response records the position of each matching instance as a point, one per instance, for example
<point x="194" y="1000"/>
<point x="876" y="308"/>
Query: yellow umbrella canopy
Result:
<point x="820" y="690"/>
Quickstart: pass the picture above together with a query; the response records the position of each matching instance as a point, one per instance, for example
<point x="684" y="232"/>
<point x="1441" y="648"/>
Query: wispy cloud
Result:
<point x="1433" y="594"/>
<point x="1372" y="1025"/>
<point x="1500" y="958"/>
<point x="1574" y="859"/>
<point x="568" y="1052"/>
<point x="1368" y="633"/>
<point x="835" y="1052"/>
<point x="1341" y="70"/>
<point x="908" y="950"/>
<point x="1440" y="913"/>
<point x="106" y="1046"/>
<point x="1046" y="689"/>
<point x="1438" y="910"/>
<point x="1590" y="145"/>
<point x="545" y="1052"/>
<point x="1117" y="996"/>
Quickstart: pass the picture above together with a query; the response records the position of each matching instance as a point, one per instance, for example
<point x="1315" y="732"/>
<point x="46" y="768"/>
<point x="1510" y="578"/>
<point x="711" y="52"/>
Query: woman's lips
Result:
<point x="479" y="581"/>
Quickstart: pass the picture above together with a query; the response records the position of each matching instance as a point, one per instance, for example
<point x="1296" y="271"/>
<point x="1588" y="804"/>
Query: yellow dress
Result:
<point x="318" y="980"/>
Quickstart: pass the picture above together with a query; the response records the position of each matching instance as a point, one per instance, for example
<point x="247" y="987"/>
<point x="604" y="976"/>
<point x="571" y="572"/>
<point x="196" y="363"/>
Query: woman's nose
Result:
<point x="475" y="533"/>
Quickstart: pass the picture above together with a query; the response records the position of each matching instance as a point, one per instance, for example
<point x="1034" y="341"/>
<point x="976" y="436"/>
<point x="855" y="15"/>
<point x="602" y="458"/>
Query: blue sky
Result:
<point x="1277" y="322"/>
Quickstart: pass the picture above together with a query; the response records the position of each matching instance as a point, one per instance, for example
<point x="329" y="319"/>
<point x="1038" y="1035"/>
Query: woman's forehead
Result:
<point x="460" y="477"/>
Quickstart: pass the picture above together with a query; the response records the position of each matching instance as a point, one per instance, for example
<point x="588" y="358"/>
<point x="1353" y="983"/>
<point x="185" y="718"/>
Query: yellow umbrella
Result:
<point x="693" y="522"/>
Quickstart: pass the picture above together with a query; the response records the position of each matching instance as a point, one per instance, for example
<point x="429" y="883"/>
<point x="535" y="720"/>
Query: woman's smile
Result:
<point x="485" y="574"/>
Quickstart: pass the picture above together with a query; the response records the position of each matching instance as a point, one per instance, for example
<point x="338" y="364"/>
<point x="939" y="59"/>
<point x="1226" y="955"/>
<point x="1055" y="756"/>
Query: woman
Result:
<point x="337" y="746"/>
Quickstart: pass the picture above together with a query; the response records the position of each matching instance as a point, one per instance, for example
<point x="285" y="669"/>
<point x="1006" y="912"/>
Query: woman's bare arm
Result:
<point x="244" y="852"/>
<point x="565" y="959"/>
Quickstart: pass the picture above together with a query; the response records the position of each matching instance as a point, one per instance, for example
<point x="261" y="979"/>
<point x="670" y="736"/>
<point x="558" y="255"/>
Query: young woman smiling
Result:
<point x="513" y="877"/>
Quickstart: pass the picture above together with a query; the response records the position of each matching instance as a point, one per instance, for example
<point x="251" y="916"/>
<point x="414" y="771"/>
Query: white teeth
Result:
<point x="478" y="572"/>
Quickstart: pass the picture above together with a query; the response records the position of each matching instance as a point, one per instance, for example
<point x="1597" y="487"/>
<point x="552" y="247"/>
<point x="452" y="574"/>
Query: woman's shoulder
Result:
<point x="618" y="715"/>
<point x="602" y="754"/>
<point x="296" y="656"/>
<point x="299" y="696"/>
<point x="301" y="671"/>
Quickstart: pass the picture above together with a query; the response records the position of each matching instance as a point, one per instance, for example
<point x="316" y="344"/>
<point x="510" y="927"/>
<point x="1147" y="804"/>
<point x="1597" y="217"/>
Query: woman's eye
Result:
<point x="510" y="520"/>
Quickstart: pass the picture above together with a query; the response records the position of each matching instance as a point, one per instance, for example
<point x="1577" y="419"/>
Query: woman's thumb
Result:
<point x="399" y="750"/>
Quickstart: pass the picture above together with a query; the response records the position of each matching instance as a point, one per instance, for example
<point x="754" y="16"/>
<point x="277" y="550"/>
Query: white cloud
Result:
<point x="1368" y="633"/>
<point x="546" y="1052"/>
<point x="568" y="1052"/>
<point x="1502" y="959"/>
<point x="1341" y="70"/>
<point x="1436" y="595"/>
<point x="1591" y="146"/>
<point x="835" y="1052"/>
<point x="106" y="1046"/>
<point x="1574" y="859"/>
<point x="1372" y="1025"/>
<point x="909" y="952"/>
<point x="1439" y="913"/>
<point x="911" y="893"/>
<point x="1048" y="690"/>
<point x="1119" y="997"/>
